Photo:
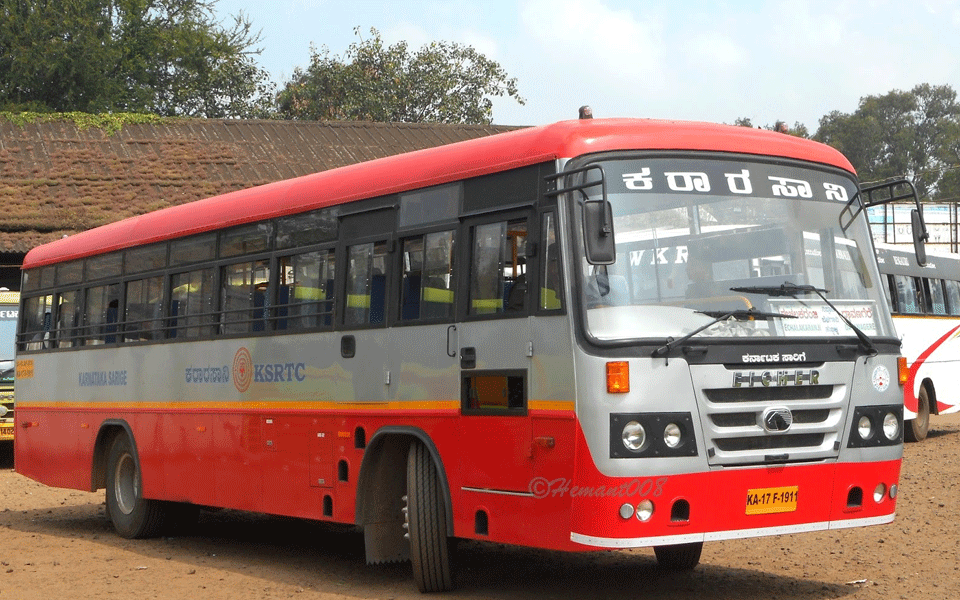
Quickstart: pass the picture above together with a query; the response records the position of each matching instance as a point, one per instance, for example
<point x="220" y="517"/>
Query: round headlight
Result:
<point x="645" y="510"/>
<point x="879" y="492"/>
<point x="634" y="436"/>
<point x="626" y="510"/>
<point x="672" y="435"/>
<point x="891" y="426"/>
<point x="865" y="427"/>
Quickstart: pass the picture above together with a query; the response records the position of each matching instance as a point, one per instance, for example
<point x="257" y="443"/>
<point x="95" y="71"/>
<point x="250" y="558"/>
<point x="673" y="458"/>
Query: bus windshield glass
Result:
<point x="762" y="249"/>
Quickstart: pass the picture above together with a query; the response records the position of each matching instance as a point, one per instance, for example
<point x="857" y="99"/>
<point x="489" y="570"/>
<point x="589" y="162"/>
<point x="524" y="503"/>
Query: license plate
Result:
<point x="767" y="501"/>
<point x="6" y="431"/>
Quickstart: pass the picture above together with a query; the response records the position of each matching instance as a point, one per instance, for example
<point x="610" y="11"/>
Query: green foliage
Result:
<point x="441" y="83"/>
<point x="915" y="133"/>
<point x="167" y="57"/>
<point x="108" y="123"/>
<point x="798" y="129"/>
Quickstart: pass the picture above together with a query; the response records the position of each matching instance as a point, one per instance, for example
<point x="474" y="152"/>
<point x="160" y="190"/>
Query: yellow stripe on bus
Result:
<point x="450" y="405"/>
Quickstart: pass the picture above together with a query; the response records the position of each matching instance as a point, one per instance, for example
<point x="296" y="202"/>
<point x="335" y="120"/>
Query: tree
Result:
<point x="442" y="82"/>
<point x="166" y="57"/>
<point x="798" y="129"/>
<point x="915" y="133"/>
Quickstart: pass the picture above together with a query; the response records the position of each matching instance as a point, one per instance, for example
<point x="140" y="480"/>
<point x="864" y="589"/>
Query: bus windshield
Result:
<point x="769" y="250"/>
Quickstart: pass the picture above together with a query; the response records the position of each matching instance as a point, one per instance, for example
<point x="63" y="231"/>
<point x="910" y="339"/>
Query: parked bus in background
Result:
<point x="926" y="312"/>
<point x="595" y="334"/>
<point x="9" y="306"/>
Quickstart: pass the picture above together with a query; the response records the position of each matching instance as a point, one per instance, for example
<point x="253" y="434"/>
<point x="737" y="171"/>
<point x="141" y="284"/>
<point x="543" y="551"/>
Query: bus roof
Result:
<point x="424" y="168"/>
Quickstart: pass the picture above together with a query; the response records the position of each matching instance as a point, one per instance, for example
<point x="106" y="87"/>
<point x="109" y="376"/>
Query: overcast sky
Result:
<point x="790" y="60"/>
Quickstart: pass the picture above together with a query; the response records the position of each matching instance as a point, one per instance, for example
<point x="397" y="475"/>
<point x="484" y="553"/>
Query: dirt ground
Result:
<point x="58" y="544"/>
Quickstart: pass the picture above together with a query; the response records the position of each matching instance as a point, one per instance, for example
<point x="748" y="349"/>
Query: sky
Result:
<point x="697" y="60"/>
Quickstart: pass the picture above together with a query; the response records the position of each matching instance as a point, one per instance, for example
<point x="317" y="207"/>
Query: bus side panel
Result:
<point x="931" y="346"/>
<point x="538" y="516"/>
<point x="54" y="447"/>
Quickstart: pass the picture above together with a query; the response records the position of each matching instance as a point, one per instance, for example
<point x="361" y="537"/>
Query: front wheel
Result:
<point x="916" y="428"/>
<point x="430" y="548"/>
<point x="681" y="557"/>
<point x="133" y="516"/>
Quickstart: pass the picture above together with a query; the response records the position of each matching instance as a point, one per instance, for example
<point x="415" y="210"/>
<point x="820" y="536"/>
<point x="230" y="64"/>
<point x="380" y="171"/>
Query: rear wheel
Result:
<point x="430" y="549"/>
<point x="681" y="557"/>
<point x="133" y="516"/>
<point x="916" y="428"/>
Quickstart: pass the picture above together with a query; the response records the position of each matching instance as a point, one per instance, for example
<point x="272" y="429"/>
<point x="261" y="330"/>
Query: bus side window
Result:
<point x="498" y="277"/>
<point x="68" y="319"/>
<point x="936" y="302"/>
<point x="101" y="313"/>
<point x="907" y="295"/>
<point x="191" y="304"/>
<point x="551" y="296"/>
<point x="35" y="323"/>
<point x="888" y="285"/>
<point x="366" y="284"/>
<point x="143" y="311"/>
<point x="952" y="296"/>
<point x="438" y="274"/>
<point x="243" y="296"/>
<point x="305" y="295"/>
<point x="426" y="289"/>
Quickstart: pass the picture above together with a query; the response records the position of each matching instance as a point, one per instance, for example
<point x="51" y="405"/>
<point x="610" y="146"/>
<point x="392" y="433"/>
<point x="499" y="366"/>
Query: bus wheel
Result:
<point x="681" y="557"/>
<point x="132" y="515"/>
<point x="917" y="427"/>
<point x="430" y="551"/>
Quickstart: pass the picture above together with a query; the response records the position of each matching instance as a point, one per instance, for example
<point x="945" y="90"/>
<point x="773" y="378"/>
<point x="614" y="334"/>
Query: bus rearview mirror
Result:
<point x="919" y="236"/>
<point x="598" y="232"/>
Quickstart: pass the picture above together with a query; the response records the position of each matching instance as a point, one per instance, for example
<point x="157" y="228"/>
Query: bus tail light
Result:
<point x="903" y="373"/>
<point x="618" y="377"/>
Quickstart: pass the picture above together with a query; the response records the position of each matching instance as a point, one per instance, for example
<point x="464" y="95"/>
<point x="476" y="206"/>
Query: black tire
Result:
<point x="132" y="515"/>
<point x="681" y="557"/>
<point x="916" y="428"/>
<point x="430" y="549"/>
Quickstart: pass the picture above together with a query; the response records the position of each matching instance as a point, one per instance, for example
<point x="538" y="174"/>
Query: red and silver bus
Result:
<point x="596" y="334"/>
<point x="926" y="312"/>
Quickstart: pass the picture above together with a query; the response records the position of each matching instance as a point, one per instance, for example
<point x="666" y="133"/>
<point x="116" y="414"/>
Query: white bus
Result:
<point x="925" y="301"/>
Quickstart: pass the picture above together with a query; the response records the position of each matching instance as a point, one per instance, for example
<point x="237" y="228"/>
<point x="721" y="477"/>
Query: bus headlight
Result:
<point x="634" y="436"/>
<point x="876" y="426"/>
<point x="672" y="435"/>
<point x="891" y="426"/>
<point x="865" y="427"/>
<point x="652" y="435"/>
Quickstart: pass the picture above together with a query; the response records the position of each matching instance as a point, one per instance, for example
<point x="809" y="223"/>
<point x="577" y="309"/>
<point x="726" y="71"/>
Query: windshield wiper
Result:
<point x="784" y="289"/>
<point x="791" y="289"/>
<point x="739" y="315"/>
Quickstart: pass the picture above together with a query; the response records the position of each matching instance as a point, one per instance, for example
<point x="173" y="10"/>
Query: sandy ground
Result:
<point x="58" y="544"/>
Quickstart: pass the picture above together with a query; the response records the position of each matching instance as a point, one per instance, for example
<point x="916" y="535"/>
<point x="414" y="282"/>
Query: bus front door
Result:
<point x="494" y="362"/>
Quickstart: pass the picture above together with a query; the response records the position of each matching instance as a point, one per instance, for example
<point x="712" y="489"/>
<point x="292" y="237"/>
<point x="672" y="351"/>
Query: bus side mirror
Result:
<point x="598" y="232"/>
<point x="919" y="236"/>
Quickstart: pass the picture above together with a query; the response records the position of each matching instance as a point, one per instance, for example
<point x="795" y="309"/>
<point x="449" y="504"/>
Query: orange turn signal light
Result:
<point x="618" y="377"/>
<point x="903" y="373"/>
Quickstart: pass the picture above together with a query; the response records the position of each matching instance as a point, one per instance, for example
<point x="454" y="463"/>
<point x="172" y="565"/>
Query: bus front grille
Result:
<point x="770" y="422"/>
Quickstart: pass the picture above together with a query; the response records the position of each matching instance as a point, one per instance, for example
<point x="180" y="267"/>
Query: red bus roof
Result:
<point x="425" y="168"/>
